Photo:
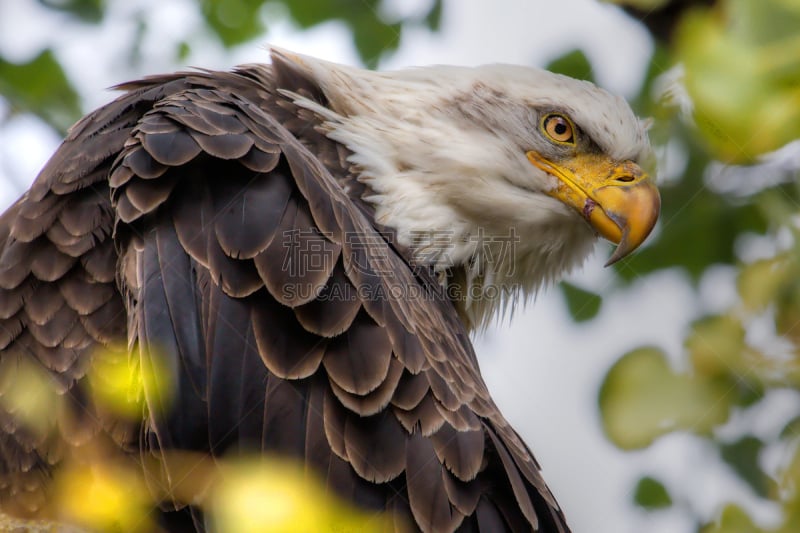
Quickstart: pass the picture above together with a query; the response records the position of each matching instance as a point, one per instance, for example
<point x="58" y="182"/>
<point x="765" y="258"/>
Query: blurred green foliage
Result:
<point x="582" y="304"/>
<point x="233" y="21"/>
<point x="742" y="455"/>
<point x="723" y="87"/>
<point x="40" y="86"/>
<point x="642" y="398"/>
<point x="742" y="62"/>
<point x="237" y="21"/>
<point x="90" y="11"/>
<point x="651" y="494"/>
<point x="574" y="64"/>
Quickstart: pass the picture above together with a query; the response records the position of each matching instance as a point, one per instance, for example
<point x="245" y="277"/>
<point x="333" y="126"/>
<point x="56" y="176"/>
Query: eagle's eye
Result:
<point x="558" y="128"/>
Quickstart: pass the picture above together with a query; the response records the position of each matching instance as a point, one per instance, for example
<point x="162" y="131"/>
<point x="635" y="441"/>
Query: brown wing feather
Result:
<point x="247" y="255"/>
<point x="56" y="251"/>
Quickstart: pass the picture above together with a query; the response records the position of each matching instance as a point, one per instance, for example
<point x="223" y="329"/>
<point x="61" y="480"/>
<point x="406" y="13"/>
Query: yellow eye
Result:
<point x="559" y="129"/>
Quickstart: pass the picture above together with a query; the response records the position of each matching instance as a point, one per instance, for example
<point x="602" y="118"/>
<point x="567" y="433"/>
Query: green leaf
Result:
<point x="233" y="21"/>
<point x="742" y="457"/>
<point x="373" y="39"/>
<point x="763" y="22"/>
<point x="87" y="10"/>
<point x="41" y="87"/>
<point x="583" y="305"/>
<point x="649" y="5"/>
<point x="643" y="103"/>
<point x="308" y="13"/>
<point x="642" y="398"/>
<point x="372" y="36"/>
<point x="573" y="64"/>
<point x="651" y="494"/>
<point x="434" y="17"/>
<point x="182" y="51"/>
<point x="792" y="429"/>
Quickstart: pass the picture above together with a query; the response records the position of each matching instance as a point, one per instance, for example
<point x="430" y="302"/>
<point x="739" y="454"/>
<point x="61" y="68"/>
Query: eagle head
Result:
<point x="500" y="177"/>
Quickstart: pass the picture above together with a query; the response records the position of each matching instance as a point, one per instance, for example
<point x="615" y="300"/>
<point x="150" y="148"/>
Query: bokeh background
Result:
<point x="660" y="395"/>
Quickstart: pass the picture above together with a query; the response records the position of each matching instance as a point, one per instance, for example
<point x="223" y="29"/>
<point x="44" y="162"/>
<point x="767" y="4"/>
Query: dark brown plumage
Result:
<point x="186" y="215"/>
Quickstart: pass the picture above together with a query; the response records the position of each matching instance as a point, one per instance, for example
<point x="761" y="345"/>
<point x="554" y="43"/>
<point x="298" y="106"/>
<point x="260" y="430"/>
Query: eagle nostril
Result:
<point x="624" y="179"/>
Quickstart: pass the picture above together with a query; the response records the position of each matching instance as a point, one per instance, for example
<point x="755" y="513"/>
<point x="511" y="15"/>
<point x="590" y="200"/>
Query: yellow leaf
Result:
<point x="104" y="496"/>
<point x="733" y="519"/>
<point x="716" y="345"/>
<point x="759" y="282"/>
<point x="121" y="380"/>
<point x="26" y="391"/>
<point x="267" y="495"/>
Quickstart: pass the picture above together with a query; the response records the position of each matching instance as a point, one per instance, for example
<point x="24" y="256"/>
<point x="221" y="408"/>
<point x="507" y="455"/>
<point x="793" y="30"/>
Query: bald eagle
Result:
<point x="309" y="246"/>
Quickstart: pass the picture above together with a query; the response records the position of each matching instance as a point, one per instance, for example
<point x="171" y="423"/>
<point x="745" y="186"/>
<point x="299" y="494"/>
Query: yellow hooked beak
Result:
<point x="618" y="199"/>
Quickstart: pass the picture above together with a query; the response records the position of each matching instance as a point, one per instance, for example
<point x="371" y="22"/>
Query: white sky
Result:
<point x="544" y="371"/>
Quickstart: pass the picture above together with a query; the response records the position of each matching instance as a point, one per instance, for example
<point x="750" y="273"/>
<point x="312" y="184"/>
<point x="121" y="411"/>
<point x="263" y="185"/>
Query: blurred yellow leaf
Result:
<point x="120" y="381"/>
<point x="27" y="392"/>
<point x="642" y="399"/>
<point x="742" y="65"/>
<point x="733" y="519"/>
<point x="787" y="317"/>
<point x="716" y="345"/>
<point x="760" y="281"/>
<point x="104" y="495"/>
<point x="271" y="495"/>
<point x="717" y="349"/>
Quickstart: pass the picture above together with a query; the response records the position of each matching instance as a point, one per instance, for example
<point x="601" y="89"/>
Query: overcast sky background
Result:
<point x="543" y="370"/>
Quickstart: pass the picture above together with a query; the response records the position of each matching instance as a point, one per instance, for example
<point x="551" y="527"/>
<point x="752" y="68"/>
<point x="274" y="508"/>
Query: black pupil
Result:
<point x="561" y="128"/>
